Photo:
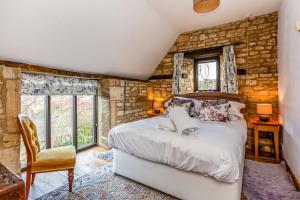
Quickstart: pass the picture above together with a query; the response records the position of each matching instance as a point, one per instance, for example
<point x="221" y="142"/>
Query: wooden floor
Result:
<point x="86" y="162"/>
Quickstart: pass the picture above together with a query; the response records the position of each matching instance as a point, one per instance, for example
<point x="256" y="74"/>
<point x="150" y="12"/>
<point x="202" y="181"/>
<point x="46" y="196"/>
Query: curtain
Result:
<point x="37" y="84"/>
<point x="177" y="73"/>
<point x="229" y="82"/>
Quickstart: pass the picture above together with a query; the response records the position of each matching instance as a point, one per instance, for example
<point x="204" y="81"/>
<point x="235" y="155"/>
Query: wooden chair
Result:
<point x="48" y="160"/>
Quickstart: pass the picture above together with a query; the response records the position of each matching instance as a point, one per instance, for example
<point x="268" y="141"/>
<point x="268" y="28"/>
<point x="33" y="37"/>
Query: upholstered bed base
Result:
<point x="178" y="183"/>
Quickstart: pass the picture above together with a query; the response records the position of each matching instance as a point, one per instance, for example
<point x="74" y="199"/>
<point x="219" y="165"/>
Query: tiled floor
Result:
<point x="86" y="162"/>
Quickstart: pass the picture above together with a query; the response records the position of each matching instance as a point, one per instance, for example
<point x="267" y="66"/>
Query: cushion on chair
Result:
<point x="55" y="159"/>
<point x="32" y="137"/>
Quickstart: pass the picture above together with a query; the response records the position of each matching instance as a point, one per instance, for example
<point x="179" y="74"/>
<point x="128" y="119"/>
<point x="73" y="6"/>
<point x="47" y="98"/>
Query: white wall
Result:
<point x="289" y="81"/>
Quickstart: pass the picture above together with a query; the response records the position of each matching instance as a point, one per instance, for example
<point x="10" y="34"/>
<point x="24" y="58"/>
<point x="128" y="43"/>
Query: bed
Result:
<point x="208" y="165"/>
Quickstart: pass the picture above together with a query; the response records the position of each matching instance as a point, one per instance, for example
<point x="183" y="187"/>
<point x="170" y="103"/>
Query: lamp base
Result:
<point x="264" y="118"/>
<point x="157" y="111"/>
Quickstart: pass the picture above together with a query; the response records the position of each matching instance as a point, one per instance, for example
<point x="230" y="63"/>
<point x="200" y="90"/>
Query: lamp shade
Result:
<point x="264" y="109"/>
<point x="204" y="6"/>
<point x="157" y="104"/>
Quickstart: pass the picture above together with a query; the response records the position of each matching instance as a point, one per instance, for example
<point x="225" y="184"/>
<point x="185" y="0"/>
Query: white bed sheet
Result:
<point x="216" y="150"/>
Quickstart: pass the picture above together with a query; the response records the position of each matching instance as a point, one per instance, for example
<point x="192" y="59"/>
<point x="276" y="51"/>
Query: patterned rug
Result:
<point x="262" y="181"/>
<point x="107" y="155"/>
<point x="105" y="185"/>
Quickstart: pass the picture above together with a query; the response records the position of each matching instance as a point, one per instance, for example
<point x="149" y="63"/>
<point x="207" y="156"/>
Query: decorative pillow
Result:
<point x="209" y="112"/>
<point x="181" y="102"/>
<point x="193" y="109"/>
<point x="234" y="111"/>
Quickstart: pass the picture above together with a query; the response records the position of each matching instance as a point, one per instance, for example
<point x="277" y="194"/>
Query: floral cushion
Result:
<point x="209" y="112"/>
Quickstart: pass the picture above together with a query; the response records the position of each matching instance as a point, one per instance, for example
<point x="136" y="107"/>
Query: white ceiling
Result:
<point x="181" y="15"/>
<point x="115" y="37"/>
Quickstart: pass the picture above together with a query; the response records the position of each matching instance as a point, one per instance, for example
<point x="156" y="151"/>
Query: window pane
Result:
<point x="34" y="107"/>
<point x="85" y="107"/>
<point x="207" y="76"/>
<point x="61" y="121"/>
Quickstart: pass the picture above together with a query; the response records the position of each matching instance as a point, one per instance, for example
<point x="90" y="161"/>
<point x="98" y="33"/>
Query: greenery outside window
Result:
<point x="62" y="120"/>
<point x="207" y="74"/>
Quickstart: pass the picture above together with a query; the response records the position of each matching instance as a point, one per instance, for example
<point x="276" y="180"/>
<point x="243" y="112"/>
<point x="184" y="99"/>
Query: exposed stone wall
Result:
<point x="9" y="109"/>
<point x="257" y="55"/>
<point x="124" y="101"/>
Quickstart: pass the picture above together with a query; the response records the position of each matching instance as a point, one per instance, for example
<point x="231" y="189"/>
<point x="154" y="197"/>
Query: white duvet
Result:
<point x="215" y="150"/>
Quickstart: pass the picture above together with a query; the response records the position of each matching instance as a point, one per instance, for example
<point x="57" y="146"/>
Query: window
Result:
<point x="207" y="74"/>
<point x="61" y="120"/>
<point x="85" y="120"/>
<point x="63" y="109"/>
<point x="34" y="106"/>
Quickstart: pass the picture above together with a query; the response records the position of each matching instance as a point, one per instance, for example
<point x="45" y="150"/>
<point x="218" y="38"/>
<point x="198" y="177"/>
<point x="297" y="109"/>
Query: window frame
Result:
<point x="206" y="60"/>
<point x="47" y="108"/>
<point x="47" y="100"/>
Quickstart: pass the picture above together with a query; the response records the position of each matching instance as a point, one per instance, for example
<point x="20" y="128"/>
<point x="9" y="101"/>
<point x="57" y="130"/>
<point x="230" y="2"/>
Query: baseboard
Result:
<point x="295" y="180"/>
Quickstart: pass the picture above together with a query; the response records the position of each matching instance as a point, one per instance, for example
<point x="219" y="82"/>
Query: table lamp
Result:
<point x="157" y="106"/>
<point x="264" y="110"/>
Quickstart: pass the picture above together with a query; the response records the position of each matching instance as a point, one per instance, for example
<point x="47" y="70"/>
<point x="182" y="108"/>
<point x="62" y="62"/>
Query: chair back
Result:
<point x="30" y="138"/>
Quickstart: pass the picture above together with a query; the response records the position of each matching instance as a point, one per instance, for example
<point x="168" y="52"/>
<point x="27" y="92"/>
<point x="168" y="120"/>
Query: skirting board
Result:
<point x="290" y="171"/>
<point x="295" y="180"/>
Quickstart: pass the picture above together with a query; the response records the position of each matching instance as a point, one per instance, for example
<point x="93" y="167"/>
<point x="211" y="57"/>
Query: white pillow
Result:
<point x="184" y="124"/>
<point x="165" y="124"/>
<point x="234" y="111"/>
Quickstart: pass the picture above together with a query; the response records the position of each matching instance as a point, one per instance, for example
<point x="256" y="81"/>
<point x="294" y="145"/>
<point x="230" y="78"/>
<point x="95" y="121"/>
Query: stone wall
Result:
<point x="9" y="109"/>
<point x="257" y="55"/>
<point x="124" y="101"/>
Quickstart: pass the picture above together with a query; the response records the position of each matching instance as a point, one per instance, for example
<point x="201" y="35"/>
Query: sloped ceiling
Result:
<point x="116" y="37"/>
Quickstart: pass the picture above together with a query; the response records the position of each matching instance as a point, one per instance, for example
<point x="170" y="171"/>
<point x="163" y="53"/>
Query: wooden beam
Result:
<point x="58" y="72"/>
<point x="161" y="77"/>
<point x="208" y="48"/>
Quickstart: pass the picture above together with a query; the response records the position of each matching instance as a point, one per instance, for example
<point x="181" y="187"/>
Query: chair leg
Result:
<point x="71" y="178"/>
<point x="32" y="178"/>
<point x="28" y="180"/>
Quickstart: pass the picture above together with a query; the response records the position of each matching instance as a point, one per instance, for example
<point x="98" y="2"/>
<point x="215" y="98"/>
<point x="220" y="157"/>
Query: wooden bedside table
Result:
<point x="272" y="127"/>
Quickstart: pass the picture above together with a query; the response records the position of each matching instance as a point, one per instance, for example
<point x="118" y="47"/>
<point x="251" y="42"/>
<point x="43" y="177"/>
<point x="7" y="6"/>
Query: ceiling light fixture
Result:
<point x="205" y="6"/>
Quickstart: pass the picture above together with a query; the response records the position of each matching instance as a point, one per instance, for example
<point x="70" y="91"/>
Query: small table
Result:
<point x="272" y="127"/>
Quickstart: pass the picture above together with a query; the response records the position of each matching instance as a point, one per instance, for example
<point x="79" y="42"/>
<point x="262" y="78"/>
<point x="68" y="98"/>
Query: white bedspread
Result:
<point x="215" y="150"/>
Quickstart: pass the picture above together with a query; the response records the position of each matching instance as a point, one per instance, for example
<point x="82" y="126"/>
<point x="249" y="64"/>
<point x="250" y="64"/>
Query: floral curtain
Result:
<point x="177" y="73"/>
<point x="229" y="82"/>
<point x="37" y="84"/>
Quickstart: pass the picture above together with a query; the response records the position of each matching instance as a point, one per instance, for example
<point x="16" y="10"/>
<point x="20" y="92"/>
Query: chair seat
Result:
<point x="56" y="159"/>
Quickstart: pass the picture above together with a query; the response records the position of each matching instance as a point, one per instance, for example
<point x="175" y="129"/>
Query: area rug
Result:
<point x="107" y="155"/>
<point x="262" y="181"/>
<point x="105" y="185"/>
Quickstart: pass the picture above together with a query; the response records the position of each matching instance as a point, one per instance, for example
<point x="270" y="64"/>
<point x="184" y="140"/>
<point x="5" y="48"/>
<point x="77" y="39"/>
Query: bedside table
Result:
<point x="272" y="127"/>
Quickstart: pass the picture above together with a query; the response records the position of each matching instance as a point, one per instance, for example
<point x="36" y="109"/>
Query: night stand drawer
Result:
<point x="266" y="128"/>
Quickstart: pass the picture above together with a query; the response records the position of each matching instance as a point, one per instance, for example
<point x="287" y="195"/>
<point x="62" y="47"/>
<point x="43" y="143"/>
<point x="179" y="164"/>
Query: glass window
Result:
<point x="207" y="73"/>
<point x="64" y="117"/>
<point x="34" y="107"/>
<point x="85" y="120"/>
<point x="61" y="121"/>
